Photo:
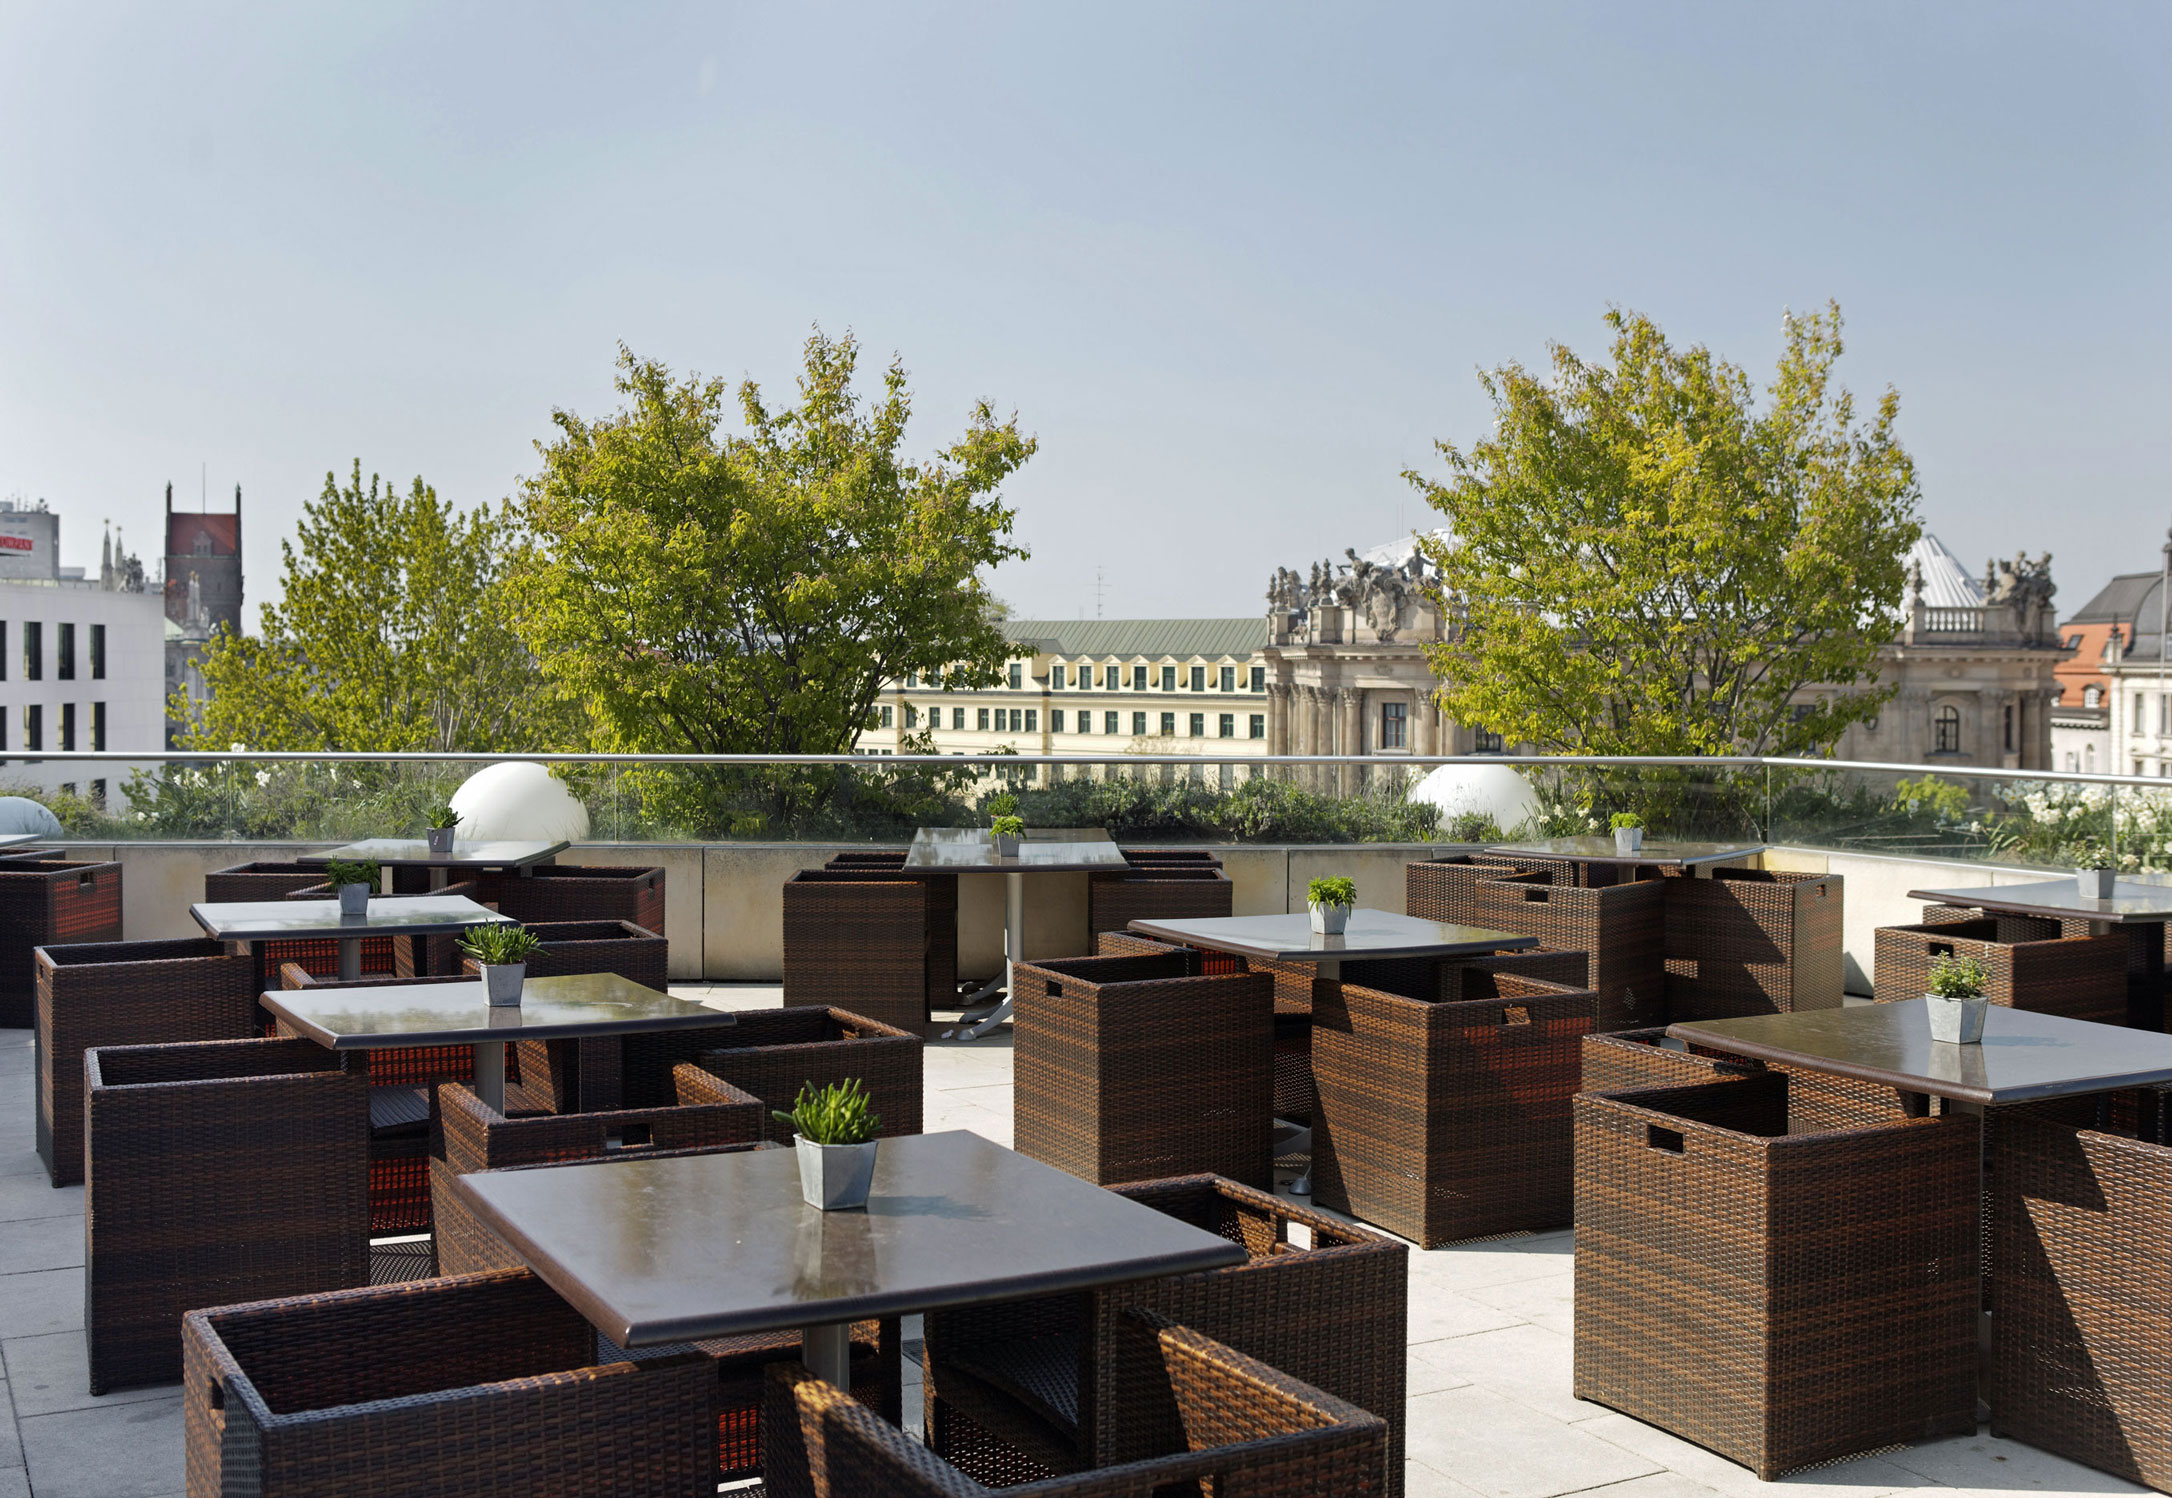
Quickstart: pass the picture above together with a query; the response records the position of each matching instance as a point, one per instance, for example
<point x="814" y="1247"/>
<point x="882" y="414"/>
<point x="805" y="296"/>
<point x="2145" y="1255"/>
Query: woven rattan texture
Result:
<point x="1446" y="889"/>
<point x="2082" y="1292"/>
<point x="478" y="1137"/>
<point x="1244" y="1428"/>
<point x="1332" y="1315"/>
<point x="569" y="892"/>
<point x="459" y="1388"/>
<point x="1816" y="1102"/>
<point x="1181" y="891"/>
<point x="1752" y="941"/>
<point x="879" y="942"/>
<point x="774" y="1052"/>
<point x="2027" y="965"/>
<point x="45" y="903"/>
<point x="125" y="993"/>
<point x="1621" y="928"/>
<point x="1448" y="1120"/>
<point x="1135" y="1068"/>
<point x="218" y="1172"/>
<point x="1780" y="1299"/>
<point x="249" y="882"/>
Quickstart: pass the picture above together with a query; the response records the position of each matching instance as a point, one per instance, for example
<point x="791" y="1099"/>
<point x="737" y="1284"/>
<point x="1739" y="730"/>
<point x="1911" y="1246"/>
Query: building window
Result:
<point x="886" y="717"/>
<point x="1055" y="678"/>
<point x="2089" y="756"/>
<point x="1229" y="678"/>
<point x="1111" y="678"/>
<point x="1085" y="722"/>
<point x="2139" y="700"/>
<point x="1394" y="725"/>
<point x="1259" y="725"/>
<point x="1138" y="725"/>
<point x="1870" y="724"/>
<point x="912" y="679"/>
<point x="2007" y="726"/>
<point x="1168" y="678"/>
<point x="98" y="736"/>
<point x="1199" y="725"/>
<point x="982" y="721"/>
<point x="2137" y="763"/>
<point x="3" y="659"/>
<point x="1486" y="741"/>
<point x="33" y="652"/>
<point x="34" y="727"/>
<point x="1033" y="720"/>
<point x="1055" y="720"/>
<point x="98" y="792"/>
<point x="1108" y="723"/>
<point x="64" y="653"/>
<point x="1138" y="678"/>
<point x="2092" y="697"/>
<point x="1168" y="725"/>
<point x="912" y="716"/>
<point x="1946" y="731"/>
<point x="67" y="725"/>
<point x="1259" y="678"/>
<point x="1228" y="724"/>
<point x="1199" y="678"/>
<point x="98" y="652"/>
<point x="957" y="718"/>
<point x="1018" y="676"/>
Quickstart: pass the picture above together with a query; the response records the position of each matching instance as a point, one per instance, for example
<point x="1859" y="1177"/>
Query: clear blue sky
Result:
<point x="1236" y="266"/>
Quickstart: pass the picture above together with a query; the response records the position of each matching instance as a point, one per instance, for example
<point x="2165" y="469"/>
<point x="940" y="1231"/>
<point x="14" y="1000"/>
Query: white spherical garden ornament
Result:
<point x="1491" y="789"/>
<point x="518" y="801"/>
<point x="21" y="814"/>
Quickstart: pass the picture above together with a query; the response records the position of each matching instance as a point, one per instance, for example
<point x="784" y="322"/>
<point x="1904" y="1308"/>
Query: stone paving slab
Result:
<point x="1490" y="1410"/>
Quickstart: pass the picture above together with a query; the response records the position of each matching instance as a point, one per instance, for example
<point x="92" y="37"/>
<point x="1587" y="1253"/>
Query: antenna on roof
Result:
<point x="1099" y="586"/>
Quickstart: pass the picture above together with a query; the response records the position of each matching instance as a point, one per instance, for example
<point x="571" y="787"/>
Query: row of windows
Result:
<point x="66" y="722"/>
<point x="1112" y="678"/>
<point x="1028" y="720"/>
<point x="63" y="651"/>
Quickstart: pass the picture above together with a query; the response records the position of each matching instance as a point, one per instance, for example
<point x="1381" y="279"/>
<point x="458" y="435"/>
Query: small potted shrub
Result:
<point x="2100" y="882"/>
<point x="1005" y="832"/>
<point x="1330" y="900"/>
<point x="1628" y="833"/>
<point x="356" y="881"/>
<point x="501" y="951"/>
<point x="834" y="1137"/>
<point x="1956" y="1000"/>
<point x="443" y="823"/>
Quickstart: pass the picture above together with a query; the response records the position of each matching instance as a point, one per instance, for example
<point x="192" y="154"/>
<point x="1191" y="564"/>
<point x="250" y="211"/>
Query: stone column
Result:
<point x="1351" y="704"/>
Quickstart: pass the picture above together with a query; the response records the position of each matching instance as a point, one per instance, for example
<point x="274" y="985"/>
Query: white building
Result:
<point x="80" y="668"/>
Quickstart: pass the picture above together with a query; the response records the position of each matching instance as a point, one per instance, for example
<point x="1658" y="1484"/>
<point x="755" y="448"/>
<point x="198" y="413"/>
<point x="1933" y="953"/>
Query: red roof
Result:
<point x="182" y="531"/>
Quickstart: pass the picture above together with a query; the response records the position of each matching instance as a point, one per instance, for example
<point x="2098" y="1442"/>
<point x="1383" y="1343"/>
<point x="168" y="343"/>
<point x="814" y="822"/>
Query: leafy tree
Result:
<point x="1646" y="562"/>
<point x="391" y="634"/>
<point x="708" y="592"/>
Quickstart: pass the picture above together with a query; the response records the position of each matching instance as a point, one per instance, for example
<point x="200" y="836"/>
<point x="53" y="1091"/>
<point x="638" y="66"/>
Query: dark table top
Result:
<point x="2024" y="1056"/>
<point x="1048" y="850"/>
<point x="360" y="1019"/>
<point x="673" y="1249"/>
<point x="389" y="915"/>
<point x="2133" y="900"/>
<point x="1601" y="850"/>
<point x="414" y="852"/>
<point x="1370" y="933"/>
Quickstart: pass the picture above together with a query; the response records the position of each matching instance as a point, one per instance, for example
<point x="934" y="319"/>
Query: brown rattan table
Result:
<point x="1290" y="938"/>
<point x="570" y="1007"/>
<point x="2138" y="907"/>
<point x="2025" y="1056"/>
<point x="389" y="915"/>
<point x="1050" y="850"/>
<point x="1689" y="857"/>
<point x="679" y="1248"/>
<point x="415" y="853"/>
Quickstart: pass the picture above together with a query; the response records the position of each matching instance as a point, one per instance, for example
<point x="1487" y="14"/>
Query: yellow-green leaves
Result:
<point x="1645" y="559"/>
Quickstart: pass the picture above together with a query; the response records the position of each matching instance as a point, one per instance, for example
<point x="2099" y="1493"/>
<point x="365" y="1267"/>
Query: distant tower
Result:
<point x="202" y="576"/>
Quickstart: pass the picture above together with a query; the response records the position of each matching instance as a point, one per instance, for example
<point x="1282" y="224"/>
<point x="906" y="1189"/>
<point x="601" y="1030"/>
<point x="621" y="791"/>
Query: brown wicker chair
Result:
<point x="49" y="903"/>
<point x="711" y="1112"/>
<point x="1752" y="941"/>
<point x="1139" y="1068"/>
<point x="2081" y="1349"/>
<point x="126" y="993"/>
<point x="571" y="892"/>
<point x="878" y="941"/>
<point x="872" y="858"/>
<point x="1620" y="927"/>
<point x="1782" y="1299"/>
<point x="772" y="1053"/>
<point x="2027" y="965"/>
<point x="1638" y="1060"/>
<point x="1446" y="889"/>
<point x="249" y="882"/>
<point x="217" y="1171"/>
<point x="1244" y="1427"/>
<point x="1157" y="892"/>
<point x="1049" y="1385"/>
<point x="1448" y="1120"/>
<point x="487" y="1384"/>
<point x="1632" y="1060"/>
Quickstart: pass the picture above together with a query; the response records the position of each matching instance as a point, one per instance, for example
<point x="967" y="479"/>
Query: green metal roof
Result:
<point x="1151" y="639"/>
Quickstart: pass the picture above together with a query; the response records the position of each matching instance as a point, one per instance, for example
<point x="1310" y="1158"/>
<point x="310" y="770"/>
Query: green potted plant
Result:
<point x="834" y="1137"/>
<point x="1005" y="833"/>
<point x="1628" y="833"/>
<point x="502" y="952"/>
<point x="1956" y="1000"/>
<point x="1330" y="900"/>
<point x="355" y="880"/>
<point x="444" y="821"/>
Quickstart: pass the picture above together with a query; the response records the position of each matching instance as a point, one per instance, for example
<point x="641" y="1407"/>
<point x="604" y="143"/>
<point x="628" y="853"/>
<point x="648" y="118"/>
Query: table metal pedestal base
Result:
<point x="1014" y="946"/>
<point x="1331" y="969"/>
<point x="827" y="1352"/>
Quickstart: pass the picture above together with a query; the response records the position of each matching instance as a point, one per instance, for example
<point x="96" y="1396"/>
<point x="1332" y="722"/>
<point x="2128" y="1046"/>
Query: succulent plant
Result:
<point x="496" y="945"/>
<point x="836" y="1114"/>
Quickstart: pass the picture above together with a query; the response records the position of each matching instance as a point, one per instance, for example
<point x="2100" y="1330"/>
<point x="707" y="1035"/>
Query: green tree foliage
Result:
<point x="708" y="592"/>
<point x="391" y="634"/>
<point x="1647" y="562"/>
